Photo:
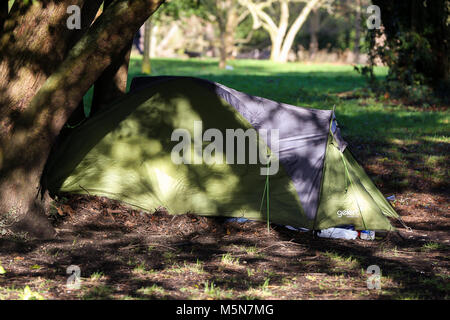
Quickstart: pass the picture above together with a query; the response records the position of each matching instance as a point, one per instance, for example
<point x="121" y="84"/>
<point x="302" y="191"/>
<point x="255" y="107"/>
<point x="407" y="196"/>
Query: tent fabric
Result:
<point x="301" y="147"/>
<point x="123" y="152"/>
<point x="348" y="196"/>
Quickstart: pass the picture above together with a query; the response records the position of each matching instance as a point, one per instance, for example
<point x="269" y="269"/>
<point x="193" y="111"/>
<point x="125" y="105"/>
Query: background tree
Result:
<point x="45" y="70"/>
<point x="168" y="16"/>
<point x="228" y="14"/>
<point x="356" y="49"/>
<point x="146" y="67"/>
<point x="416" y="47"/>
<point x="314" y="25"/>
<point x="282" y="34"/>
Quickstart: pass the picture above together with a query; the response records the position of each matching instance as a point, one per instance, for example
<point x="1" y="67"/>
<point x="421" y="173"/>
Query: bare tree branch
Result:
<point x="295" y="27"/>
<point x="282" y="36"/>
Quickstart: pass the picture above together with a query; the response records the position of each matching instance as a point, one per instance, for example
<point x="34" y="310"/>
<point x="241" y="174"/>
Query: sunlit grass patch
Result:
<point x="100" y="292"/>
<point x="260" y="292"/>
<point x="252" y="250"/>
<point x="433" y="246"/>
<point x="97" y="276"/>
<point x="21" y="293"/>
<point x="212" y="291"/>
<point x="29" y="294"/>
<point x="188" y="267"/>
<point x="142" y="270"/>
<point x="228" y="259"/>
<point x="154" y="290"/>
<point x="338" y="260"/>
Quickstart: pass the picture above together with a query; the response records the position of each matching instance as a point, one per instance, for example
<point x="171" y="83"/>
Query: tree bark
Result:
<point x="356" y="50"/>
<point x="34" y="121"/>
<point x="33" y="44"/>
<point x="90" y="12"/>
<point x="153" y="40"/>
<point x="223" y="46"/>
<point x="313" y="29"/>
<point x="112" y="84"/>
<point x="30" y="51"/>
<point x="295" y="27"/>
<point x="223" y="23"/>
<point x="146" y="67"/>
<point x="228" y="19"/>
<point x="277" y="39"/>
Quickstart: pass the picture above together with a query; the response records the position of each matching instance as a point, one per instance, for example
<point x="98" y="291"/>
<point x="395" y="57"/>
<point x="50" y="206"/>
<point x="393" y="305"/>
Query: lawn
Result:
<point x="128" y="254"/>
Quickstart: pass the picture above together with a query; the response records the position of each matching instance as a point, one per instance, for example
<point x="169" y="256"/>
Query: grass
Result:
<point x="97" y="276"/>
<point x="28" y="294"/>
<point x="434" y="246"/>
<point x="338" y="260"/>
<point x="212" y="291"/>
<point x="228" y="259"/>
<point x="101" y="292"/>
<point x="154" y="290"/>
<point x="188" y="268"/>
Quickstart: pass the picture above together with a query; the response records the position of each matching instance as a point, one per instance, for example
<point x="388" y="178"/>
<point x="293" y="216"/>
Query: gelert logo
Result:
<point x="348" y="213"/>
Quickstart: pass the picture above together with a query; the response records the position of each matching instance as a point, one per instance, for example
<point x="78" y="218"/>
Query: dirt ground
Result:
<point x="124" y="253"/>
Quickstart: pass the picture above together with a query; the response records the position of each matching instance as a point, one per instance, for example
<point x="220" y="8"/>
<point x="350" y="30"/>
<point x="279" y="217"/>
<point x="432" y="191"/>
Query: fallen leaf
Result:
<point x="60" y="212"/>
<point x="129" y="224"/>
<point x="68" y="209"/>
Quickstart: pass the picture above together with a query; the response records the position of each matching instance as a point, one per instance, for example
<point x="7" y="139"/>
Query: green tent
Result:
<point x="308" y="177"/>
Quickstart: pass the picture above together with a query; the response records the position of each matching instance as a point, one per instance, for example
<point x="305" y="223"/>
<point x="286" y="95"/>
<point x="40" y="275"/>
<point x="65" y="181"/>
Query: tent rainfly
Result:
<point x="125" y="152"/>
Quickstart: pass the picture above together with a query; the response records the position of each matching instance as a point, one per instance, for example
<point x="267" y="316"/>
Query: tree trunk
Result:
<point x="89" y="13"/>
<point x="278" y="37"/>
<point x="430" y="20"/>
<point x="277" y="41"/>
<point x="112" y="84"/>
<point x="31" y="122"/>
<point x="222" y="23"/>
<point x="313" y="29"/>
<point x="356" y="50"/>
<point x="295" y="27"/>
<point x="146" y="67"/>
<point x="222" y="51"/>
<point x="153" y="41"/>
<point x="30" y="51"/>
<point x="228" y="21"/>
